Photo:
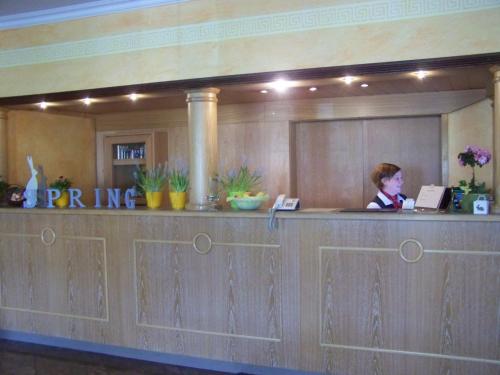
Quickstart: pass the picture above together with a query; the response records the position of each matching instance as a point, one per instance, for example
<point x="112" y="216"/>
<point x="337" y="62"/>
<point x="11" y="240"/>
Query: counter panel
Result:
<point x="378" y="313"/>
<point x="326" y="293"/>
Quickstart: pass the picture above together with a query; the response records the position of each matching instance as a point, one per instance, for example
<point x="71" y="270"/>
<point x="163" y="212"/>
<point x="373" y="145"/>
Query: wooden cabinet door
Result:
<point x="329" y="166"/>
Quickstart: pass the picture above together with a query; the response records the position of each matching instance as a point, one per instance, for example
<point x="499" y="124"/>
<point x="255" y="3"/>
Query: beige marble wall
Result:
<point x="351" y="39"/>
<point x="472" y="125"/>
<point x="63" y="145"/>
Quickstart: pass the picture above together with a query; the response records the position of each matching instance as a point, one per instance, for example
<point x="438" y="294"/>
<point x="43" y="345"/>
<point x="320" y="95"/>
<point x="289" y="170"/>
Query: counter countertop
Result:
<point x="330" y="213"/>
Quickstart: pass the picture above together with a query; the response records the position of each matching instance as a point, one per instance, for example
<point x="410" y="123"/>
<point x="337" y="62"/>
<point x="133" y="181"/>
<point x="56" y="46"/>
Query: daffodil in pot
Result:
<point x="62" y="184"/>
<point x="239" y="183"/>
<point x="151" y="181"/>
<point x="473" y="156"/>
<point x="178" y="182"/>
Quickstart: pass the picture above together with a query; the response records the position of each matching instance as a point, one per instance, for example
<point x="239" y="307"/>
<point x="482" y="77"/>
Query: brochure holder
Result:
<point x="430" y="197"/>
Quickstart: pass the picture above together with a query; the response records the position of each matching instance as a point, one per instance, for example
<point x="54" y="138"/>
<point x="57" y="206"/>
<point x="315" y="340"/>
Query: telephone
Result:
<point x="286" y="204"/>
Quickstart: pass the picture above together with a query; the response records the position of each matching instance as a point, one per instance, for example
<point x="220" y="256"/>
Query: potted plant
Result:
<point x="4" y="186"/>
<point x="238" y="183"/>
<point x="62" y="184"/>
<point x="178" y="182"/>
<point x="151" y="182"/>
<point x="472" y="156"/>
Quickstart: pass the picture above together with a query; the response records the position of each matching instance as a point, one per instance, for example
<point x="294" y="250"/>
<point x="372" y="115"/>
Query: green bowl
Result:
<point x="249" y="203"/>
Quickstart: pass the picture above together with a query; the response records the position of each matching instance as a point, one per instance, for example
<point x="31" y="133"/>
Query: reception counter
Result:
<point x="326" y="292"/>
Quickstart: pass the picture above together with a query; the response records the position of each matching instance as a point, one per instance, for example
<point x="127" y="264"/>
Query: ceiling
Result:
<point x="11" y="7"/>
<point x="466" y="78"/>
<point x="26" y="13"/>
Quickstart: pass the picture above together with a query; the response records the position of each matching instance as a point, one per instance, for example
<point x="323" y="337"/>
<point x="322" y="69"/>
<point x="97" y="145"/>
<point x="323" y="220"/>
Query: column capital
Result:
<point x="207" y="94"/>
<point x="495" y="70"/>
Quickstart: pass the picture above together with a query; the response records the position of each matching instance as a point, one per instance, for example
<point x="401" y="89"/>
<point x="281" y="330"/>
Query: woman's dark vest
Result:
<point x="382" y="204"/>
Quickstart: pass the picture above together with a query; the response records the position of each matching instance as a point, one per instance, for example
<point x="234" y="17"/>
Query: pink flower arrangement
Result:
<point x="473" y="156"/>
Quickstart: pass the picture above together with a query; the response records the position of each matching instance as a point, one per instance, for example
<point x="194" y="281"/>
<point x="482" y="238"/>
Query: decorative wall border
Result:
<point x="51" y="313"/>
<point x="189" y="330"/>
<point x="395" y="351"/>
<point x="245" y="27"/>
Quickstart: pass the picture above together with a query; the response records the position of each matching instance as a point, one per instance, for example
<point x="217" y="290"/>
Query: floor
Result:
<point x="18" y="358"/>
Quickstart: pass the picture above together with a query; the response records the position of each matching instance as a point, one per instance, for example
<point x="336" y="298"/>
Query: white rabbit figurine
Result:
<point x="31" y="187"/>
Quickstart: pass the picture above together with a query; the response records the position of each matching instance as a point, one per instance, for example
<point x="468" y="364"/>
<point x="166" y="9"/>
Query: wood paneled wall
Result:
<point x="330" y="294"/>
<point x="334" y="159"/>
<point x="258" y="133"/>
<point x="330" y="163"/>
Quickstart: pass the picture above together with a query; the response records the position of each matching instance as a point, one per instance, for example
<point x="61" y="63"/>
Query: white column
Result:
<point x="3" y="144"/>
<point x="496" y="137"/>
<point x="203" y="153"/>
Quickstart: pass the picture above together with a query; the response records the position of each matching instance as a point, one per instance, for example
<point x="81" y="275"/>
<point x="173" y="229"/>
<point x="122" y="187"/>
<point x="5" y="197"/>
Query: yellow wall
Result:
<point x="472" y="125"/>
<point x="245" y="37"/>
<point x="63" y="145"/>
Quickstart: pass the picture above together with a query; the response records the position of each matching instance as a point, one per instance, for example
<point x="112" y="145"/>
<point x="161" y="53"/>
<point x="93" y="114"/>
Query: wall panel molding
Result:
<point x="142" y="289"/>
<point x="56" y="251"/>
<point x="328" y="289"/>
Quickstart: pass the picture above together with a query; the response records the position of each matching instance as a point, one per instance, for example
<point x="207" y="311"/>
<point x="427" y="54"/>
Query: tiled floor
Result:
<point x="18" y="358"/>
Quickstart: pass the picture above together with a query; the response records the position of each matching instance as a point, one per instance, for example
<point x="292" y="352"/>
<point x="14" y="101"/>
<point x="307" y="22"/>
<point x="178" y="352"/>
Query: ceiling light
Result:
<point x="133" y="96"/>
<point x="313" y="88"/>
<point x="87" y="101"/>
<point x="264" y="91"/>
<point x="348" y="79"/>
<point x="363" y="85"/>
<point x="43" y="105"/>
<point x="280" y="85"/>
<point x="421" y="74"/>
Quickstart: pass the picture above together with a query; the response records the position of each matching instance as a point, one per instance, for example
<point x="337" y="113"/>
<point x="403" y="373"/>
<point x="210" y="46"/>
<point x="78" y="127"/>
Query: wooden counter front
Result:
<point x="325" y="292"/>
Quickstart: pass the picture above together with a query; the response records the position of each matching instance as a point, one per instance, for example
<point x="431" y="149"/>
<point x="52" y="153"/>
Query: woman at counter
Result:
<point x="389" y="179"/>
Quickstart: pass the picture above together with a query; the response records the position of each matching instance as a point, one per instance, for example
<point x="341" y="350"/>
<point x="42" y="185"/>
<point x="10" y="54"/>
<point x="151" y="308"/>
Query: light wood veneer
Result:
<point x="325" y="292"/>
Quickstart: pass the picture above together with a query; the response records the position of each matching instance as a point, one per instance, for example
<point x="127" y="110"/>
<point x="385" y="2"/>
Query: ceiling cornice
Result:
<point x="71" y="12"/>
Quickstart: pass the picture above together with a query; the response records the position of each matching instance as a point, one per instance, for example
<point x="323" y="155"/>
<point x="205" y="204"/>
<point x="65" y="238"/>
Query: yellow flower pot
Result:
<point x="154" y="198"/>
<point x="63" y="200"/>
<point x="177" y="199"/>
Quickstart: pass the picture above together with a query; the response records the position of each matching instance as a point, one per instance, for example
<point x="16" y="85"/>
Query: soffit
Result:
<point x="450" y="79"/>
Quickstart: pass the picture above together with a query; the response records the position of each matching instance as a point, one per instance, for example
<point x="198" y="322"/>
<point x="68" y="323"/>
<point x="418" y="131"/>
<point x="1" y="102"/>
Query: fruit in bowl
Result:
<point x="248" y="201"/>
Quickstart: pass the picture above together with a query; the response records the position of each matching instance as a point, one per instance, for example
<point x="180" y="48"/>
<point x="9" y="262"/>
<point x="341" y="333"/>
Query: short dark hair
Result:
<point x="381" y="171"/>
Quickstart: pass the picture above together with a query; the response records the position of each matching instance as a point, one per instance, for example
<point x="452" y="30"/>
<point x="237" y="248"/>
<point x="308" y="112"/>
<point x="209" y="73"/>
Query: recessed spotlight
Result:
<point x="43" y="105"/>
<point x="264" y="91"/>
<point x="421" y="74"/>
<point x="133" y="96"/>
<point x="348" y="79"/>
<point x="313" y="89"/>
<point x="363" y="85"/>
<point x="280" y="85"/>
<point x="87" y="101"/>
